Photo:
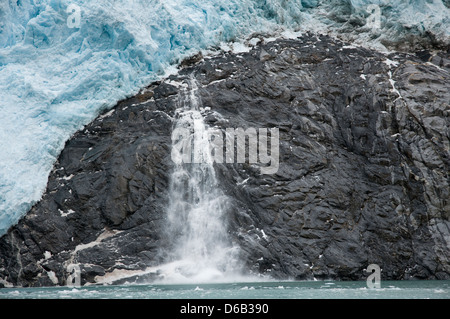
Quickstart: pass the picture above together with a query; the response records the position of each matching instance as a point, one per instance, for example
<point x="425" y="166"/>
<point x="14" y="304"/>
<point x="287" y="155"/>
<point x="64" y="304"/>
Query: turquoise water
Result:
<point x="439" y="289"/>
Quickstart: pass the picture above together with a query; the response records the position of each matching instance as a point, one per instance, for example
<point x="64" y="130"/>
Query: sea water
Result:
<point x="429" y="289"/>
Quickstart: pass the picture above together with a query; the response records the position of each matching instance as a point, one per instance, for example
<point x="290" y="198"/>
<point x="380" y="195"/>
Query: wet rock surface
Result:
<point x="363" y="171"/>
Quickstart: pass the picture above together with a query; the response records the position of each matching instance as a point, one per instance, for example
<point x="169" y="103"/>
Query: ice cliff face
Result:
<point x="62" y="62"/>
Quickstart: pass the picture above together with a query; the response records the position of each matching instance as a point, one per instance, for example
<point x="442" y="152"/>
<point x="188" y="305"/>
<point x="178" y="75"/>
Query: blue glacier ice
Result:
<point x="62" y="62"/>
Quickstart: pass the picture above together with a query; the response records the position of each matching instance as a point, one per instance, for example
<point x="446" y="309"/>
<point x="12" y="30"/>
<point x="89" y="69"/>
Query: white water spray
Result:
<point x="197" y="209"/>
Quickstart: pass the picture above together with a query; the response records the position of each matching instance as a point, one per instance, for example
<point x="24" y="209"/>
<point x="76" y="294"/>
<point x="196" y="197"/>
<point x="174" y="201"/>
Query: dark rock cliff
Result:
<point x="363" y="175"/>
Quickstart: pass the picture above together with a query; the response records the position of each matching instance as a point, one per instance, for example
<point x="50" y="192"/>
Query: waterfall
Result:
<point x="202" y="251"/>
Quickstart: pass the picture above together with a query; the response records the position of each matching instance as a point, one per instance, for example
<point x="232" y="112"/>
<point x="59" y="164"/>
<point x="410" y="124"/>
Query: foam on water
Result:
<point x="434" y="289"/>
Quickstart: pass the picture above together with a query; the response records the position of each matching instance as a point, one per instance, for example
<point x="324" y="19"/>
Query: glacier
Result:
<point x="63" y="62"/>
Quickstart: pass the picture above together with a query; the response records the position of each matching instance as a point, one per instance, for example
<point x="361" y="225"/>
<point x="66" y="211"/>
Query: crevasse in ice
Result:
<point x="64" y="61"/>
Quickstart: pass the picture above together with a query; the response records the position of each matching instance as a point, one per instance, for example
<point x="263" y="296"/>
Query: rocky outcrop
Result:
<point x="363" y="175"/>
